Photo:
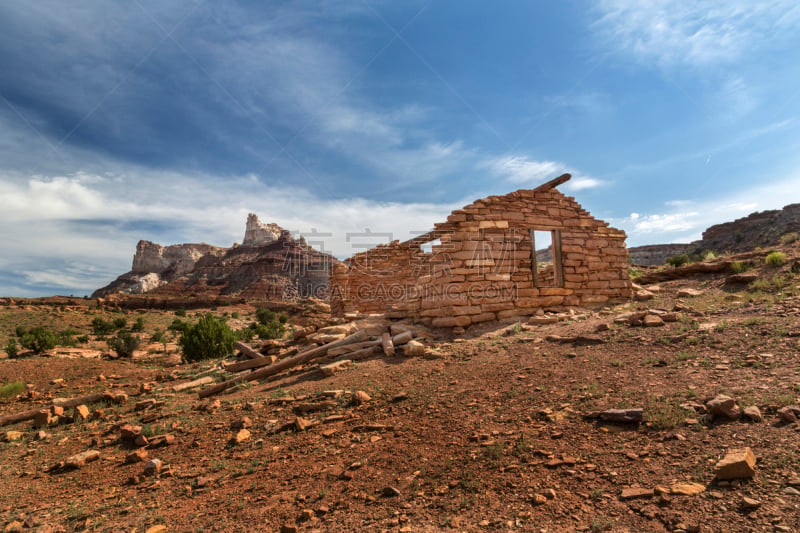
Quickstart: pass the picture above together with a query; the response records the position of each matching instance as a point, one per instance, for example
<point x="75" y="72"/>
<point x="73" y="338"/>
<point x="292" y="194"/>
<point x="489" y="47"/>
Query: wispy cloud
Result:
<point x="521" y="170"/>
<point x="697" y="34"/>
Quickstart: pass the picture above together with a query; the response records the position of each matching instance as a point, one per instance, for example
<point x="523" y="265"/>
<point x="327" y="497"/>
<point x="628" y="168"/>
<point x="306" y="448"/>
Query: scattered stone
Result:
<point x="242" y="423"/>
<point x="749" y="503"/>
<point x="153" y="467"/>
<point x="601" y="327"/>
<point x="542" y="320"/>
<point x="652" y="321"/>
<point x="42" y="435"/>
<point x="737" y="464"/>
<point x="399" y="397"/>
<point x="360" y="397"/>
<point x="302" y="424"/>
<point x="414" y="348"/>
<point x="337" y="366"/>
<point x="689" y="293"/>
<point x="80" y="413"/>
<point x="129" y="432"/>
<point x="753" y="413"/>
<point x="12" y="436"/>
<point x="14" y="526"/>
<point x="789" y="414"/>
<point x="633" y="493"/>
<point x="791" y="491"/>
<point x="241" y="436"/>
<point x="157" y="529"/>
<point x="288" y="528"/>
<point x="137" y="456"/>
<point x="687" y="489"/>
<point x="643" y="295"/>
<point x="390" y="492"/>
<point x="625" y="416"/>
<point x="80" y="459"/>
<point x="740" y="279"/>
<point x="723" y="406"/>
<point x="538" y="499"/>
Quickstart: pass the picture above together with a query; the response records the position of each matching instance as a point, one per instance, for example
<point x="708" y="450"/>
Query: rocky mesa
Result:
<point x="269" y="264"/>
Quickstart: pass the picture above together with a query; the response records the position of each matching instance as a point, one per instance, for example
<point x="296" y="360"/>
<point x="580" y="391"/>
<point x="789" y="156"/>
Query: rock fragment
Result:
<point x="737" y="464"/>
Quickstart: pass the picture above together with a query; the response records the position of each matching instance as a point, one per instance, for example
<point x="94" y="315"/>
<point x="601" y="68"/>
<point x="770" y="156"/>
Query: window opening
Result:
<point x="546" y="258"/>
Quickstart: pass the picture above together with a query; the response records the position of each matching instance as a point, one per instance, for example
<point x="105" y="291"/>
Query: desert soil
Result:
<point x="492" y="436"/>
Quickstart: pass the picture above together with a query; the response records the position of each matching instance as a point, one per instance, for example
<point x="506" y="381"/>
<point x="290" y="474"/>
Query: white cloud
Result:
<point x="524" y="171"/>
<point x="698" y="33"/>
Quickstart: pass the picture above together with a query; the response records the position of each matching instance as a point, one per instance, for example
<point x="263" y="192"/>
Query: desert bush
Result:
<point x="12" y="348"/>
<point x="270" y="325"/>
<point x="709" y="255"/>
<point x="124" y="344"/>
<point x="678" y="260"/>
<point x="775" y="283"/>
<point x="11" y="388"/>
<point x="138" y="326"/>
<point x="157" y="336"/>
<point x="39" y="339"/>
<point x="20" y="331"/>
<point x="775" y="259"/>
<point x="101" y="327"/>
<point x="739" y="266"/>
<point x="789" y="238"/>
<point x="264" y="315"/>
<point x="180" y="312"/>
<point x="83" y="339"/>
<point x="210" y="337"/>
<point x="178" y="325"/>
<point x="120" y="322"/>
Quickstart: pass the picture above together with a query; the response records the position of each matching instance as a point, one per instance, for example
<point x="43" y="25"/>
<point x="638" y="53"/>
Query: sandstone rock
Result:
<point x="137" y="456"/>
<point x="626" y="416"/>
<point x="414" y="348"/>
<point x="652" y="321"/>
<point x="129" y="432"/>
<point x="542" y="320"/>
<point x="43" y="418"/>
<point x="750" y="503"/>
<point x="723" y="406"/>
<point x="601" y="327"/>
<point x="241" y="436"/>
<point x="538" y="499"/>
<point x="390" y="492"/>
<point x="687" y="489"/>
<point x="242" y="423"/>
<point x="335" y="367"/>
<point x="360" y="397"/>
<point x="12" y="436"/>
<point x="157" y="529"/>
<point x="737" y="464"/>
<point x="689" y="293"/>
<point x="789" y="414"/>
<point x="632" y="493"/>
<point x="302" y="424"/>
<point x="741" y="279"/>
<point x="80" y="413"/>
<point x="80" y="459"/>
<point x="643" y="295"/>
<point x="153" y="467"/>
<point x="753" y="413"/>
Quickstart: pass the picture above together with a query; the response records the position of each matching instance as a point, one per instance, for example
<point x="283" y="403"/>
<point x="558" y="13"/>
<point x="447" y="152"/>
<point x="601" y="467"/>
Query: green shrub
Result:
<point x="678" y="260"/>
<point x="178" y="325"/>
<point x="210" y="337"/>
<point x="180" y="312"/>
<point x="39" y="340"/>
<point x="264" y="315"/>
<point x="157" y="336"/>
<point x="120" y="322"/>
<point x="124" y="344"/>
<point x="66" y="337"/>
<point x="12" y="348"/>
<point x="789" y="238"/>
<point x="775" y="259"/>
<point x="83" y="339"/>
<point x="245" y="334"/>
<point x="709" y="255"/>
<point x="101" y="327"/>
<point x="11" y="388"/>
<point x="138" y="326"/>
<point x="20" y="331"/>
<point x="739" y="266"/>
<point x="235" y="314"/>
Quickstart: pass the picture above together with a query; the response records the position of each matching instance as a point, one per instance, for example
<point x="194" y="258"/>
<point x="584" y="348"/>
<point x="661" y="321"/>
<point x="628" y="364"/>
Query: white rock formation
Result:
<point x="258" y="234"/>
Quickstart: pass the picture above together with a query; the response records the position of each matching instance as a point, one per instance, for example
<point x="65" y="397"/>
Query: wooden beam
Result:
<point x="563" y="178"/>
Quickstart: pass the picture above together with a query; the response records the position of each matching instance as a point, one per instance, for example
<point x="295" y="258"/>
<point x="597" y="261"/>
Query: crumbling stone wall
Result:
<point x="482" y="266"/>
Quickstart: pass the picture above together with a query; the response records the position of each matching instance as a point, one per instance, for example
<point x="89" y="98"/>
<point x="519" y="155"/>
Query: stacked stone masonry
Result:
<point x="480" y="265"/>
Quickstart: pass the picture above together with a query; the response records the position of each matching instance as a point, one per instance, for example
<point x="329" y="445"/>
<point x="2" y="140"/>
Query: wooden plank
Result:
<point x="31" y="413"/>
<point x="247" y="351"/>
<point x="283" y="364"/>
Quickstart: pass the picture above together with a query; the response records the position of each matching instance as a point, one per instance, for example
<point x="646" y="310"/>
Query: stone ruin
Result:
<point x="497" y="258"/>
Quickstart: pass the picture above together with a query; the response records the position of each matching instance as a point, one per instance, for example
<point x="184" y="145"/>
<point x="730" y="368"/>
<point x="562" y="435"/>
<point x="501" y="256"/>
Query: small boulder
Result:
<point x="789" y="414"/>
<point x="723" y="406"/>
<point x="153" y="467"/>
<point x="360" y="397"/>
<point x="634" y="493"/>
<point x="737" y="464"/>
<point x="80" y="459"/>
<point x="753" y="413"/>
<point x="687" y="489"/>
<point x="652" y="321"/>
<point x="80" y="413"/>
<point x="241" y="436"/>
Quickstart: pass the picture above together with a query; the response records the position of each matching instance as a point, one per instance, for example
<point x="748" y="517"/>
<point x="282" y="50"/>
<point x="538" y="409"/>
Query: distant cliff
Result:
<point x="269" y="263"/>
<point x="760" y="229"/>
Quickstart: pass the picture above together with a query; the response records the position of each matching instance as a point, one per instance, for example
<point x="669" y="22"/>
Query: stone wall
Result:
<point x="482" y="264"/>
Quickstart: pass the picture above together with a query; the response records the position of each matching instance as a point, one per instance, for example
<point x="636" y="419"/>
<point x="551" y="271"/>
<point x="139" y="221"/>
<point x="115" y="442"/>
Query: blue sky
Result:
<point x="171" y="120"/>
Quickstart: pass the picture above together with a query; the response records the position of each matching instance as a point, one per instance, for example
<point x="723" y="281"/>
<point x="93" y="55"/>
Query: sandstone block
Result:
<point x="737" y="464"/>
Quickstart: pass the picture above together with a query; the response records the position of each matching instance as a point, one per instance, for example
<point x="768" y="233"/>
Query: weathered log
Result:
<point x="205" y="380"/>
<point x="251" y="363"/>
<point x="30" y="414"/>
<point x="283" y="364"/>
<point x="248" y="351"/>
<point x="341" y="350"/>
<point x="388" y="345"/>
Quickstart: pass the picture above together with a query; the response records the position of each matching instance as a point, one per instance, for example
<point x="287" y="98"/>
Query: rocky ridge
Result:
<point x="270" y="263"/>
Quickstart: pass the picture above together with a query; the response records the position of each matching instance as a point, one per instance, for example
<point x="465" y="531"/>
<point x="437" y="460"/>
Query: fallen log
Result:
<point x="251" y="363"/>
<point x="248" y="351"/>
<point x="30" y="414"/>
<point x="205" y="380"/>
<point x="283" y="364"/>
<point x="388" y="345"/>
